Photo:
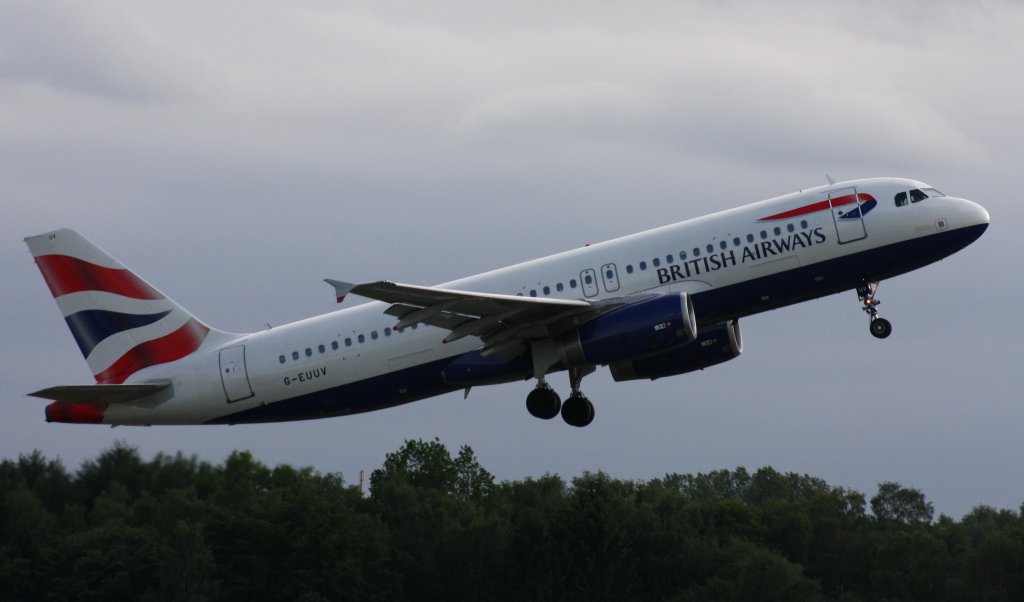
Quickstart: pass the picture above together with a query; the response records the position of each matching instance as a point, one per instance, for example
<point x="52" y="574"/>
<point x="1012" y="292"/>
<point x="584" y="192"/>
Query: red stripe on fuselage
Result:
<point x="65" y="275"/>
<point x="819" y="206"/>
<point x="172" y="347"/>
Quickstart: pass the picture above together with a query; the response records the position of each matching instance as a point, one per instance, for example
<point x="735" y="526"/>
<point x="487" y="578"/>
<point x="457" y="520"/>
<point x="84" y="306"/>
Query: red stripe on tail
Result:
<point x="76" y="413"/>
<point x="172" y="347"/>
<point x="65" y="275"/>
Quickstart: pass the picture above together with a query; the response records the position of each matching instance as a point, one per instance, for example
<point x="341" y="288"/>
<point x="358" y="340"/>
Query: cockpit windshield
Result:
<point x="916" y="195"/>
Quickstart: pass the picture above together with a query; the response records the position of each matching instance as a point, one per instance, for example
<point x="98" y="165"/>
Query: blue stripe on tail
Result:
<point x="91" y="327"/>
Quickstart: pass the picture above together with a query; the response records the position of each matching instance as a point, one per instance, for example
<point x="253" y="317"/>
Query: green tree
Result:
<point x="901" y="505"/>
<point x="429" y="465"/>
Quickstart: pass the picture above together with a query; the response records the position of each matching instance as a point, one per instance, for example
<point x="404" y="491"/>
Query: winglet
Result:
<point x="340" y="288"/>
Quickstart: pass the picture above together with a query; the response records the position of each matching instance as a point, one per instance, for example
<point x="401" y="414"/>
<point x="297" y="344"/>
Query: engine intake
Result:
<point x="714" y="345"/>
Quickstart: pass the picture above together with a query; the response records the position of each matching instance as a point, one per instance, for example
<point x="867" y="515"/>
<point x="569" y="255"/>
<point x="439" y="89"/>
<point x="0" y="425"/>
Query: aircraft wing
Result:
<point x="101" y="394"/>
<point x="503" y="322"/>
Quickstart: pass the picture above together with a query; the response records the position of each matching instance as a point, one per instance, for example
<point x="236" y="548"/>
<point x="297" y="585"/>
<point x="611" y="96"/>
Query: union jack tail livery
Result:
<point x="120" y="322"/>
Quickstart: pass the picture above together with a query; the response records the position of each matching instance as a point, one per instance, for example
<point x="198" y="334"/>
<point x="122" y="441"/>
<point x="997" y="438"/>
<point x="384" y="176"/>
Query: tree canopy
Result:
<point x="436" y="526"/>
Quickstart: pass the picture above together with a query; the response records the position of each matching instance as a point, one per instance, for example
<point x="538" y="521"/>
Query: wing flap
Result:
<point x="467" y="313"/>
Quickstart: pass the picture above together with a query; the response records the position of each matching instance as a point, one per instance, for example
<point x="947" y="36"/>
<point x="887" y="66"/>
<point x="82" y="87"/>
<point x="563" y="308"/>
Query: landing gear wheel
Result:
<point x="577" y="411"/>
<point x="881" y="328"/>
<point x="543" y="403"/>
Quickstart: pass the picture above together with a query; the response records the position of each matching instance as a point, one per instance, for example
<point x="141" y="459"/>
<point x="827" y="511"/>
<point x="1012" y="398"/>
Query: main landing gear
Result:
<point x="880" y="327"/>
<point x="577" y="410"/>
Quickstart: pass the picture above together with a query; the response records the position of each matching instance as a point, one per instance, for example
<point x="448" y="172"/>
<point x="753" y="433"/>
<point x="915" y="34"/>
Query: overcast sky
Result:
<point x="236" y="153"/>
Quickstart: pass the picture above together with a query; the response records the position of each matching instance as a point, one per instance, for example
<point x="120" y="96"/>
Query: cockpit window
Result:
<point x="916" y="195"/>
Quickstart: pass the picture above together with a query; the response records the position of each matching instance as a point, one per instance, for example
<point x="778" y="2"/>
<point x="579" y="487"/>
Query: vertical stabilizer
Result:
<point x="121" y="323"/>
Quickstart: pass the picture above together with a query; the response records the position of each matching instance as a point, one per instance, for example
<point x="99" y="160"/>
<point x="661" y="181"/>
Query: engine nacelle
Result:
<point x="714" y="345"/>
<point x="637" y="330"/>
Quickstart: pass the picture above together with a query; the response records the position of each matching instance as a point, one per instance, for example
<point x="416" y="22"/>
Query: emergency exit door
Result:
<point x="846" y="213"/>
<point x="233" y="374"/>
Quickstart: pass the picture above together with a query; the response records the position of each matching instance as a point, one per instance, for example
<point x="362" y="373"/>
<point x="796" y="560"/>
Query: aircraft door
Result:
<point x="588" y="280"/>
<point x="610" y="275"/>
<point x="846" y="213"/>
<point x="233" y="374"/>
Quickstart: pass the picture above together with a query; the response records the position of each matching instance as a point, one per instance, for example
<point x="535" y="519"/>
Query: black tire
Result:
<point x="577" y="411"/>
<point x="881" y="328"/>
<point x="543" y="403"/>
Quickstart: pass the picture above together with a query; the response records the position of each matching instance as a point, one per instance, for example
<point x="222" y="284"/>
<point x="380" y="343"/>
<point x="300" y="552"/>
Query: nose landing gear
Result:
<point x="880" y="327"/>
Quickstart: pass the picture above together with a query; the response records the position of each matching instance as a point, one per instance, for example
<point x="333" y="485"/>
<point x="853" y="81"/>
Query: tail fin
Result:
<point x="121" y="323"/>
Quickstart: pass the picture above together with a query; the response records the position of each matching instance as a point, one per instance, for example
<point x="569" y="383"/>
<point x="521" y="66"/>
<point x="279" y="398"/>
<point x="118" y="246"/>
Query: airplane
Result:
<point x="654" y="304"/>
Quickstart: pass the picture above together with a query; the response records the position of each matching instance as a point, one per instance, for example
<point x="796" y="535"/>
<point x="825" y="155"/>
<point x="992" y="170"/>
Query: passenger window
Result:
<point x="682" y="255"/>
<point x="295" y="355"/>
<point x="656" y="262"/>
<point x="750" y="238"/>
<point x="309" y="352"/>
<point x="723" y="245"/>
<point x="559" y="287"/>
<point x="669" y="258"/>
<point x="803" y="224"/>
<point x="373" y="335"/>
<point x="790" y="227"/>
<point x="572" y="283"/>
<point x="764" y="235"/>
<point x="629" y="269"/>
<point x="643" y="265"/>
<point x="334" y="345"/>
<point x="361" y="338"/>
<point x="711" y="248"/>
<point x="736" y="241"/>
<point x="321" y="349"/>
<point x="778" y="231"/>
<point x="696" y="252"/>
<point x="547" y="290"/>
<point x="533" y="292"/>
<point x="588" y="279"/>
<point x="281" y="359"/>
<point x="387" y="332"/>
<point x="348" y="342"/>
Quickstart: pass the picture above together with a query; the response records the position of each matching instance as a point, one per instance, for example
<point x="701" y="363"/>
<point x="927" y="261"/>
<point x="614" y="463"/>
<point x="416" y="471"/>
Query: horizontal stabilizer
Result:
<point x="101" y="394"/>
<point x="340" y="288"/>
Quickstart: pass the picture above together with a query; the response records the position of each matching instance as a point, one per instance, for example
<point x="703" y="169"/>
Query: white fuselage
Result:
<point x="733" y="263"/>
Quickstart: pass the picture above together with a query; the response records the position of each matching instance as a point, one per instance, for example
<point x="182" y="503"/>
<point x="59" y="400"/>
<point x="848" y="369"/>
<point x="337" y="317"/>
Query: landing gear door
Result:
<point x="233" y="374"/>
<point x="846" y="213"/>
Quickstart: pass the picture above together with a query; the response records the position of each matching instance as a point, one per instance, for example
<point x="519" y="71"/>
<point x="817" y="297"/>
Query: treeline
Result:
<point x="438" y="527"/>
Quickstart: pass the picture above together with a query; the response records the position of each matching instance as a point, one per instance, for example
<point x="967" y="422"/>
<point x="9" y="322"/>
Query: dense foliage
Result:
<point x="434" y="527"/>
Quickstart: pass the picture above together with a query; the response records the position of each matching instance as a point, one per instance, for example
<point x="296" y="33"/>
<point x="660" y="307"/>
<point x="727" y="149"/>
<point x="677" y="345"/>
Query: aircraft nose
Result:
<point x="974" y="214"/>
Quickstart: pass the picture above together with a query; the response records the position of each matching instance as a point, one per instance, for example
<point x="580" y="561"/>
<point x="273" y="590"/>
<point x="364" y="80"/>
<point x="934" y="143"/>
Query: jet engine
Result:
<point x="637" y="330"/>
<point x="713" y="345"/>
